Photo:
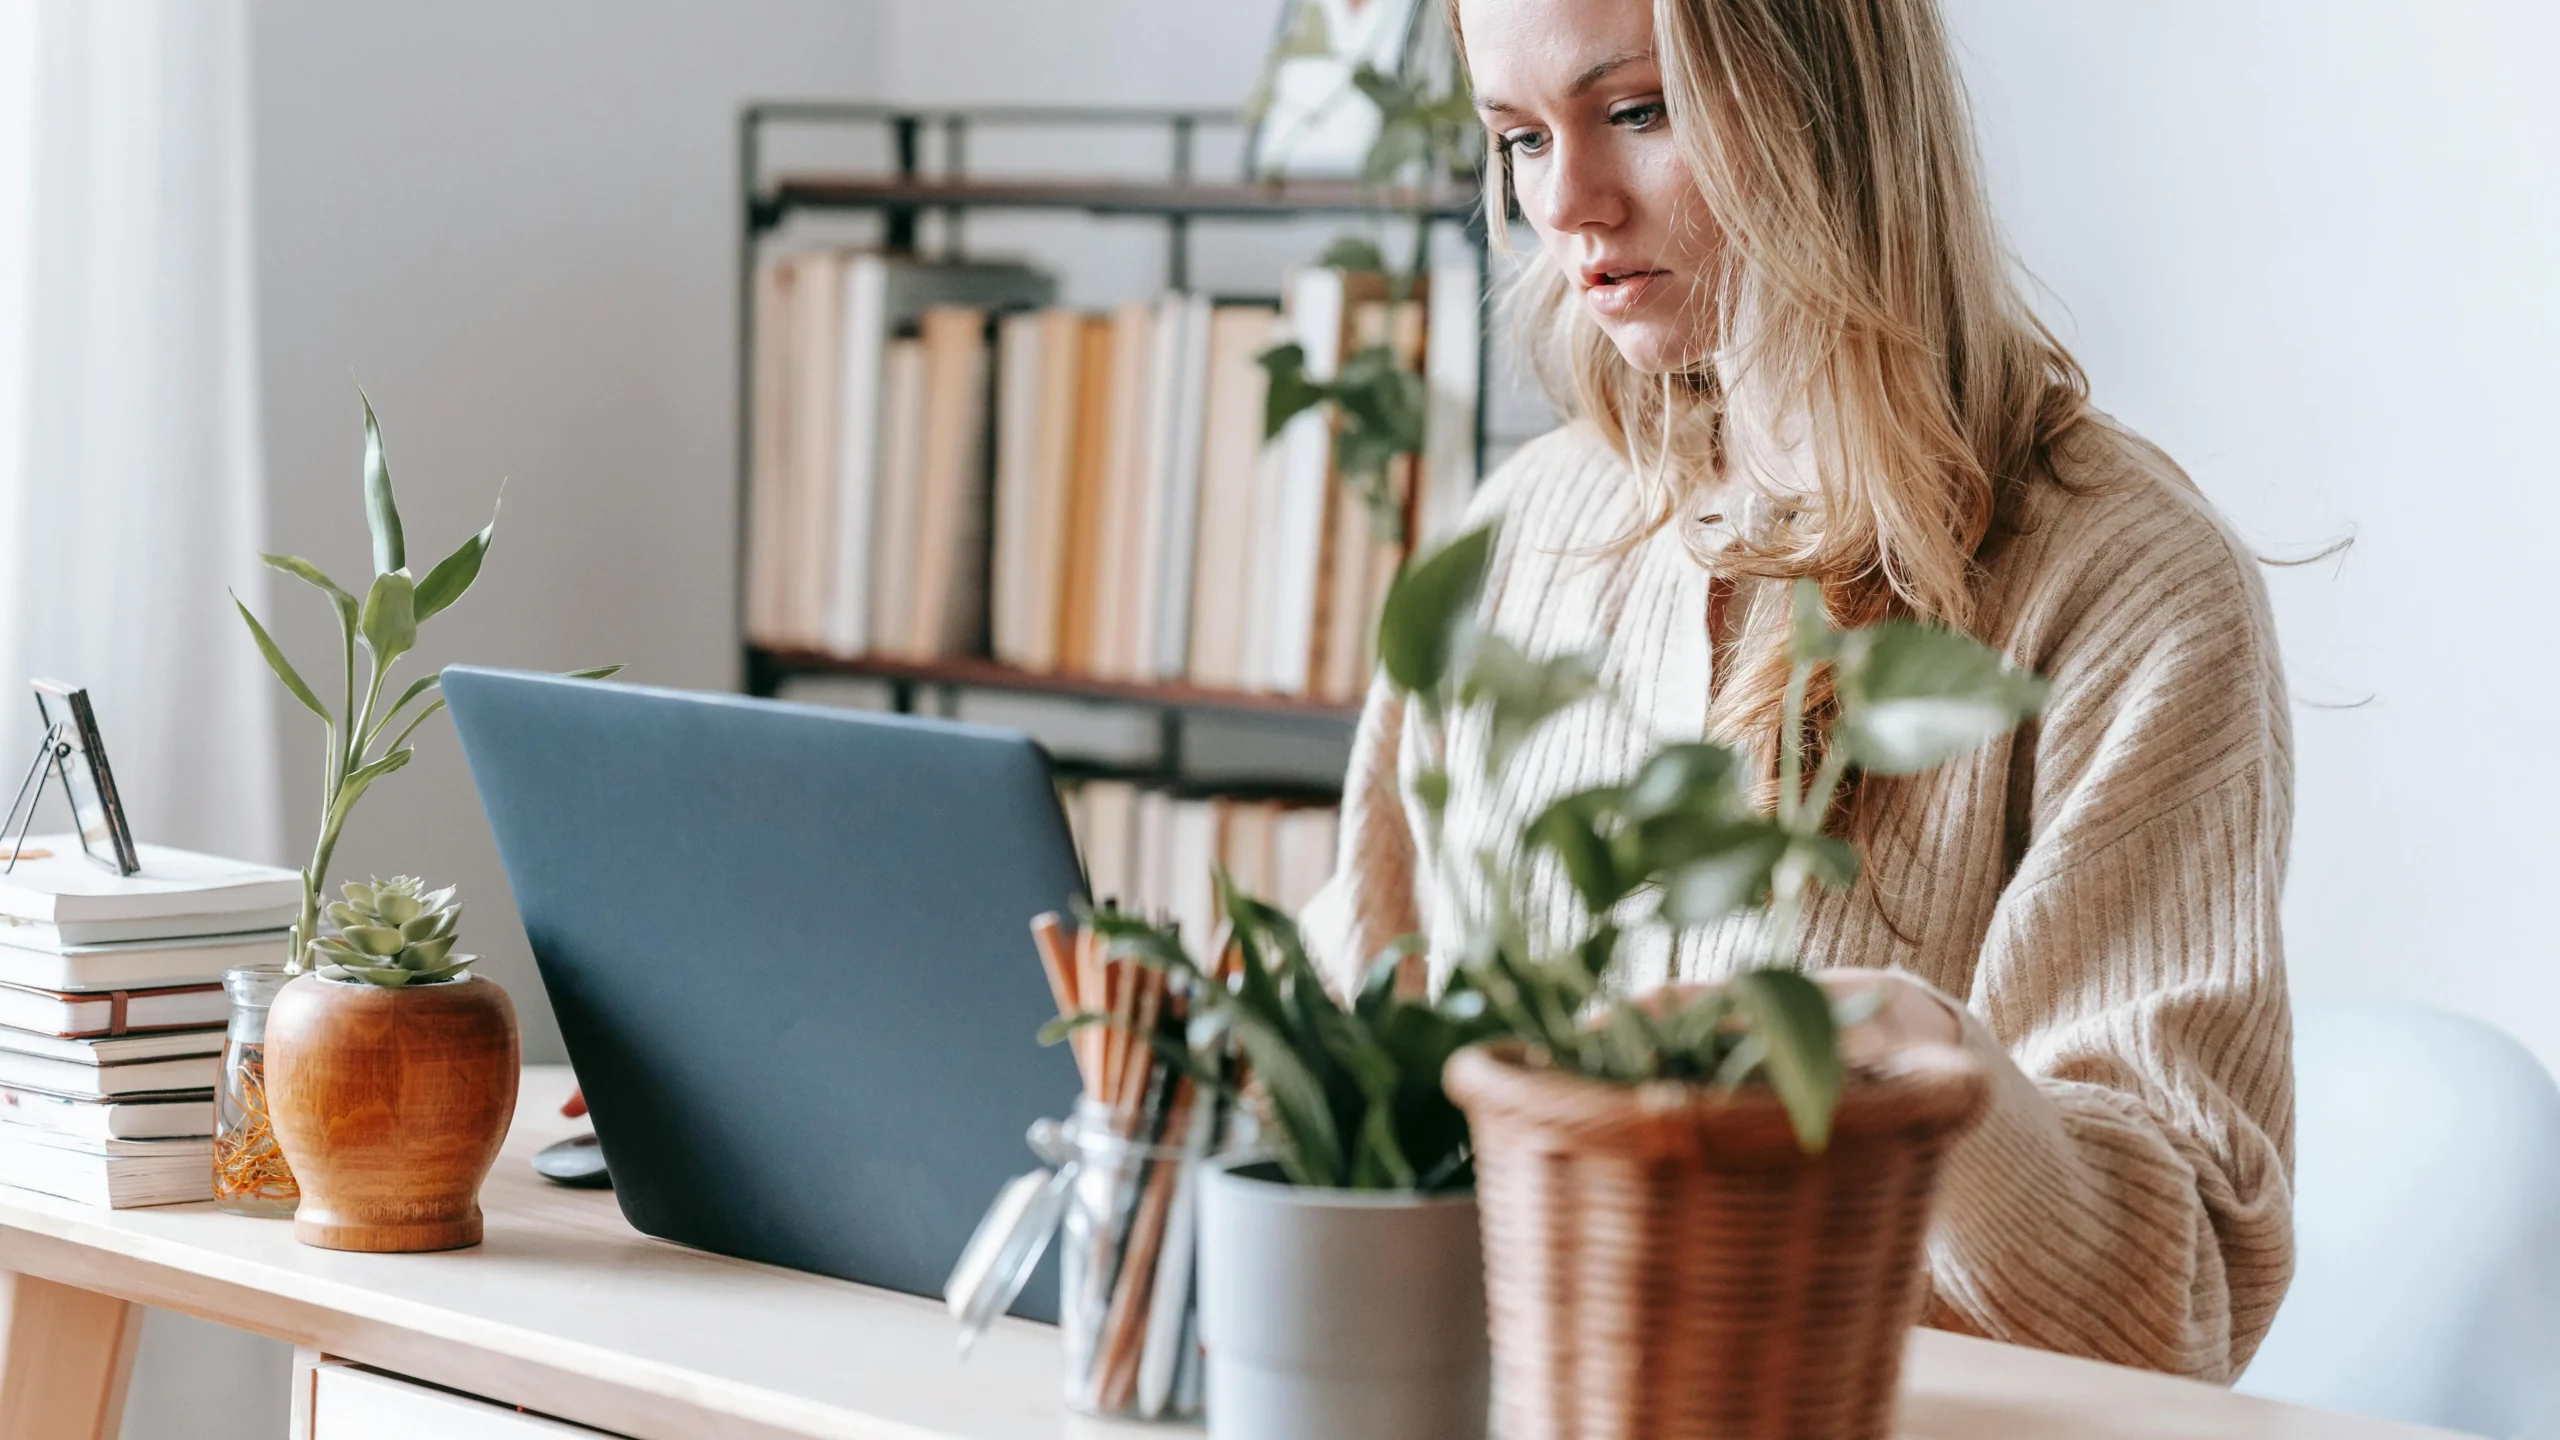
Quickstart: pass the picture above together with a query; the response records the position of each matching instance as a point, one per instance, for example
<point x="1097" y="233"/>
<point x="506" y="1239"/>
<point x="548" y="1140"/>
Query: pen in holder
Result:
<point x="1122" y="1196"/>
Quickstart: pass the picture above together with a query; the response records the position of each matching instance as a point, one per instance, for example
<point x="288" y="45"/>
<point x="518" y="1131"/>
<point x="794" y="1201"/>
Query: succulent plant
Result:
<point x="393" y="932"/>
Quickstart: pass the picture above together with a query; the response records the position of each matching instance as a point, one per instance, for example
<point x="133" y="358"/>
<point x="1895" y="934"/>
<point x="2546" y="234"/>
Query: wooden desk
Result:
<point x="567" y="1312"/>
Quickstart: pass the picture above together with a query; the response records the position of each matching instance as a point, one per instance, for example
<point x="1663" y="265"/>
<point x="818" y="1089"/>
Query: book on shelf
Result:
<point x="87" y="1015"/>
<point x="159" y="1115"/>
<point x="1154" y="851"/>
<point x="131" y="964"/>
<point x="64" y="887"/>
<point x="1087" y="494"/>
<point x="86" y="1080"/>
<point x="118" y="1174"/>
<point x="828" y="323"/>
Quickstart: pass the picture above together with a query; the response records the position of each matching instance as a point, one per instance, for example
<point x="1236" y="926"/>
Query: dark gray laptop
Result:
<point x="789" y="952"/>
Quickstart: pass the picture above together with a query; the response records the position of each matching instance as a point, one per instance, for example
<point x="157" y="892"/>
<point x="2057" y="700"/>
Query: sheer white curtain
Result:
<point x="131" y="493"/>
<point x="130" y="484"/>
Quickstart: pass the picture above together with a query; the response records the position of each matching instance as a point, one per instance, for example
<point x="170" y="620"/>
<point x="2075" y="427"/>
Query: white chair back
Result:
<point x="2427" y="1225"/>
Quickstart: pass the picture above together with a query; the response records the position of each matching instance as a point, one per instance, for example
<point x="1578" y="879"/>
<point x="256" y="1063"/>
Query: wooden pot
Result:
<point x="390" y="1104"/>
<point x="1662" y="1262"/>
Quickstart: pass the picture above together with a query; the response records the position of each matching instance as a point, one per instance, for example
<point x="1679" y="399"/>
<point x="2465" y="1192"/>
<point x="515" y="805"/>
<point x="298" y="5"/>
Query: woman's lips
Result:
<point x="1613" y="297"/>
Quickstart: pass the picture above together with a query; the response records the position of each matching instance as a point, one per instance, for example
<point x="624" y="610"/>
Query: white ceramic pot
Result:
<point x="1346" y="1314"/>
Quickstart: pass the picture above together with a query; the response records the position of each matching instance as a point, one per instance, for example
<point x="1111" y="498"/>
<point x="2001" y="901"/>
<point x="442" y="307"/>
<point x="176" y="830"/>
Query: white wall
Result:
<point x="514" y="223"/>
<point x="2309" y="247"/>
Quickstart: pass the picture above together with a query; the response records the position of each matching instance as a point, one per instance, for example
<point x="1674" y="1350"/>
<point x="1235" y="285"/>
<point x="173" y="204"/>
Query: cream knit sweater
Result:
<point x="2100" y="889"/>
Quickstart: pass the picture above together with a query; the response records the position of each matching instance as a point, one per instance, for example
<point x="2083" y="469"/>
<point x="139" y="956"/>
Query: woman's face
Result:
<point x="1572" y="93"/>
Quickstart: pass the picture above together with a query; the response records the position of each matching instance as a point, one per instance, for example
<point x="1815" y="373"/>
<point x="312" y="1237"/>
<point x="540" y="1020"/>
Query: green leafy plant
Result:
<point x="1352" y="1090"/>
<point x="1424" y="134"/>
<point x="1680" y="843"/>
<point x="384" y="624"/>
<point x="393" y="932"/>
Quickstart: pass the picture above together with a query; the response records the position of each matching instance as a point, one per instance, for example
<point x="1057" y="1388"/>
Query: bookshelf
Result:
<point x="922" y="170"/>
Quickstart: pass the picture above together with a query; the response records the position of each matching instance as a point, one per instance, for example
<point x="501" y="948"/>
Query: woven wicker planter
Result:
<point x="1663" y="1263"/>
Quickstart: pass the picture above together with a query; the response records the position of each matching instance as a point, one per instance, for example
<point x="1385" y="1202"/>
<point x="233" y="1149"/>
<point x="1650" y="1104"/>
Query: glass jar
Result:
<point x="1122" y="1198"/>
<point x="1127" y="1293"/>
<point x="250" y="1176"/>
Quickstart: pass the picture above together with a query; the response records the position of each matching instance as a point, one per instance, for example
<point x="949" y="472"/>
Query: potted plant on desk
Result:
<point x="1341" y="1279"/>
<point x="382" y="1087"/>
<point x="1698" y="1220"/>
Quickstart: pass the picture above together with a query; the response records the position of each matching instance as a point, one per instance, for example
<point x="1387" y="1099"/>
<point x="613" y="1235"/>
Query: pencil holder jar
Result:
<point x="1127" y="1287"/>
<point x="1121" y="1199"/>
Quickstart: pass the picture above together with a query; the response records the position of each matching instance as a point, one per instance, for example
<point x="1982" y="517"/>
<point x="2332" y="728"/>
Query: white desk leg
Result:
<point x="66" y="1356"/>
<point x="306" y="1373"/>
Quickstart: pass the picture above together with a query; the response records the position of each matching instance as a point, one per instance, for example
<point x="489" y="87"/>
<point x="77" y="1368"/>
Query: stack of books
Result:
<point x="1153" y="850"/>
<point x="112" y="1015"/>
<point x="943" y="466"/>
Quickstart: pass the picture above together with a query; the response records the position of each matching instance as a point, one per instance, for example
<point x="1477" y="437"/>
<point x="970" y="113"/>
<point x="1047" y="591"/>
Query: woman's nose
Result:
<point x="1585" y="190"/>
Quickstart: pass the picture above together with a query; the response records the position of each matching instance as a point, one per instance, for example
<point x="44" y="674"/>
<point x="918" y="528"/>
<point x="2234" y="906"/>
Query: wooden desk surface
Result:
<point x="566" y="1310"/>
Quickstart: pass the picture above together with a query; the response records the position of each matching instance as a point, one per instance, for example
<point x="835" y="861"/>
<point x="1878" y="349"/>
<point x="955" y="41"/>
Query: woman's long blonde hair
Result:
<point x="1831" y="142"/>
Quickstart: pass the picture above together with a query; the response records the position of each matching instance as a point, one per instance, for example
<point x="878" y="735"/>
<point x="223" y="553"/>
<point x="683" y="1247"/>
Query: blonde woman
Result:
<point x="1768" y="291"/>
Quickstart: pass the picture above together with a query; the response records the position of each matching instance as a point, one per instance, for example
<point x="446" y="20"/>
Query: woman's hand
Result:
<point x="1906" y="1011"/>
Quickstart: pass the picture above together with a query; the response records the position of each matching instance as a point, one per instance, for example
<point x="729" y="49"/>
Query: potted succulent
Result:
<point x="1340" y="1270"/>
<point x="385" y="1083"/>
<point x="391" y="1075"/>
<point x="1698" y="1219"/>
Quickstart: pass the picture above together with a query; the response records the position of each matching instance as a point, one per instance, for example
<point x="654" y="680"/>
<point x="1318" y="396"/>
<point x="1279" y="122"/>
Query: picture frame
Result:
<point x="79" y="753"/>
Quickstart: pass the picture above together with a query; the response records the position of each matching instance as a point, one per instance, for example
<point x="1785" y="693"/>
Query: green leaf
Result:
<point x="1727" y="869"/>
<point x="1570" y="828"/>
<point x="309" y="574"/>
<point x="1914" y="696"/>
<point x="418" y="687"/>
<point x="1832" y="860"/>
<point x="1792" y="1017"/>
<point x="1290" y="392"/>
<point x="1431" y="787"/>
<point x="1812" y="638"/>
<point x="455" y="572"/>
<point x="1355" y="254"/>
<point x="1687" y="779"/>
<point x="381" y="513"/>
<point x="377" y="940"/>
<point x="597" y="672"/>
<point x="284" y="668"/>
<point x="359" y="780"/>
<point x="427" y="954"/>
<point x="390" y="622"/>
<point x="358" y="893"/>
<point x="1522" y="693"/>
<point x="1430" y="610"/>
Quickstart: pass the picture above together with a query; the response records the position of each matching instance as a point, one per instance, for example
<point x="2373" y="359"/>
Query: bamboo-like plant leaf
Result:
<point x="412" y="727"/>
<point x="1430" y="610"/>
<point x="309" y="574"/>
<point x="353" y="788"/>
<point x="381" y="512"/>
<point x="390" y="620"/>
<point x="1793" y="1018"/>
<point x="284" y="668"/>
<point x="454" y="573"/>
<point x="417" y="687"/>
<point x="598" y="672"/>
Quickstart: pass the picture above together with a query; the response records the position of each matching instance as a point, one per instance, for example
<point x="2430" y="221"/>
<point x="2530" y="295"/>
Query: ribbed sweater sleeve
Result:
<point x="2128" y="1195"/>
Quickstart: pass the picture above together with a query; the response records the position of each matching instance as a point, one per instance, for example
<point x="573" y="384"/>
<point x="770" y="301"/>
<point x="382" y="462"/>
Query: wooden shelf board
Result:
<point x="1105" y="197"/>
<point x="988" y="675"/>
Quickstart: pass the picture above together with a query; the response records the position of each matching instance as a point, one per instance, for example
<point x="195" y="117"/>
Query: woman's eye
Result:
<point x="1639" y="118"/>
<point x="1524" y="142"/>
